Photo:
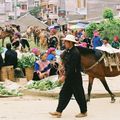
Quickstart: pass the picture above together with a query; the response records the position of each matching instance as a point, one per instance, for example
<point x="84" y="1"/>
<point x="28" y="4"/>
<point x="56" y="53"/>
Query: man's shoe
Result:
<point x="55" y="114"/>
<point x="81" y="115"/>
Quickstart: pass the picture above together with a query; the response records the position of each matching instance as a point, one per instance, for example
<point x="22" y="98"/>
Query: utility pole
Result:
<point x="62" y="11"/>
<point x="15" y="9"/>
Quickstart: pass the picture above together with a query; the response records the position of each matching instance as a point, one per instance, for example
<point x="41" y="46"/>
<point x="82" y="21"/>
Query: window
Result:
<point x="24" y="7"/>
<point x="36" y="3"/>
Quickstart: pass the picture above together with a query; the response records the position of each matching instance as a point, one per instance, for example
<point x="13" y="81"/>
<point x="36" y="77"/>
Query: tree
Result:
<point x="107" y="28"/>
<point x="89" y="30"/>
<point x="35" y="11"/>
<point x="108" y="14"/>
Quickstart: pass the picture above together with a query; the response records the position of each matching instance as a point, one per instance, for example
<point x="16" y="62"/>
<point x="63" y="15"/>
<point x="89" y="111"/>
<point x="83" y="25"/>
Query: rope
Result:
<point x="95" y="63"/>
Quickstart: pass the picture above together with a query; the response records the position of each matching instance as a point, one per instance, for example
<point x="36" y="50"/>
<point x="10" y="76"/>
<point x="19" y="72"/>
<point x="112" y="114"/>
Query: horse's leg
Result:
<point x="89" y="88"/>
<point x="11" y="39"/>
<point x="107" y="88"/>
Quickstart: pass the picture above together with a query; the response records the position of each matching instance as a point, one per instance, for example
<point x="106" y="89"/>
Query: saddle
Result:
<point x="112" y="56"/>
<point x="111" y="60"/>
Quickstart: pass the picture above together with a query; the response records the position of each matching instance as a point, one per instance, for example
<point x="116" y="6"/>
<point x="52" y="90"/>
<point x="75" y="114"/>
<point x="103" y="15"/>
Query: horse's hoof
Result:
<point x="87" y="100"/>
<point x="113" y="100"/>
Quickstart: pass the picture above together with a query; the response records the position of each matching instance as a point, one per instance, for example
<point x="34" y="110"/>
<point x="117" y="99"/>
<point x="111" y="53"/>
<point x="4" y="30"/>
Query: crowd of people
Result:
<point x="20" y="42"/>
<point x="46" y="63"/>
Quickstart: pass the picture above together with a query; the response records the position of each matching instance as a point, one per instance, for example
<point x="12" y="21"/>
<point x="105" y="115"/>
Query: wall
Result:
<point x="95" y="7"/>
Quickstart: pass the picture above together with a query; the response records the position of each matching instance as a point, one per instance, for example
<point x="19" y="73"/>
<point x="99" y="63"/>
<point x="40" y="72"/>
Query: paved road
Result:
<point x="37" y="108"/>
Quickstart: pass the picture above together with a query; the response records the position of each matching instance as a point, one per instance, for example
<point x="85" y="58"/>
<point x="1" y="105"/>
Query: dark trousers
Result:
<point x="25" y="43"/>
<point x="66" y="92"/>
<point x="36" y="40"/>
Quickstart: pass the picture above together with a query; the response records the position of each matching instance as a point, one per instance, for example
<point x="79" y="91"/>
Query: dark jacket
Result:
<point x="97" y="42"/>
<point x="115" y="44"/>
<point x="72" y="63"/>
<point x="11" y="58"/>
<point x="16" y="44"/>
<point x="53" y="42"/>
<point x="1" y="61"/>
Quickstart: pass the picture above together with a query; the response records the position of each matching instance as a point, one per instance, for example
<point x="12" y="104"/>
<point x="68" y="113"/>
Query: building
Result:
<point x="58" y="9"/>
<point x="63" y="8"/>
<point x="5" y="8"/>
<point x="95" y="8"/>
<point x="26" y="5"/>
<point x="77" y="9"/>
<point x="11" y="9"/>
<point x="49" y="9"/>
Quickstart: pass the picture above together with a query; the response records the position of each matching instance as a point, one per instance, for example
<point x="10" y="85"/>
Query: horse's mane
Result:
<point x="86" y="51"/>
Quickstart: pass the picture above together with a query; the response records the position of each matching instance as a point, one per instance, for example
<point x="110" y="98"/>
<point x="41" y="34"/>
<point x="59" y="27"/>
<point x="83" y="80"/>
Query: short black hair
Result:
<point x="8" y="46"/>
<point x="42" y="54"/>
<point x="106" y="38"/>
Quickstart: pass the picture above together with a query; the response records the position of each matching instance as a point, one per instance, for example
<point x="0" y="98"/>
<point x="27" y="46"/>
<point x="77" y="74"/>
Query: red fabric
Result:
<point x="50" y="50"/>
<point x="116" y="38"/>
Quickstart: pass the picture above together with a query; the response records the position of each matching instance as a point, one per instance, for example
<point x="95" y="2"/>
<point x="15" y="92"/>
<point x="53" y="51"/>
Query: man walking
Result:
<point x="73" y="80"/>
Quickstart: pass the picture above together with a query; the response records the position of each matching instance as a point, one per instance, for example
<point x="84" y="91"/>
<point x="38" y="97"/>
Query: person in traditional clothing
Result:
<point x="115" y="43"/>
<point x="24" y="42"/>
<point x="41" y="67"/>
<point x="51" y="54"/>
<point x="52" y="58"/>
<point x="53" y="40"/>
<point x="16" y="40"/>
<point x="96" y="41"/>
<point x="37" y="53"/>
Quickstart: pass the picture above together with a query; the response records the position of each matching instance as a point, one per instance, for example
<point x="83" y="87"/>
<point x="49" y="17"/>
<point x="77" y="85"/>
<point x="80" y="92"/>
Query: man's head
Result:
<point x="17" y="35"/>
<point x="69" y="41"/>
<point x="96" y="33"/>
<point x="105" y="40"/>
<point x="8" y="46"/>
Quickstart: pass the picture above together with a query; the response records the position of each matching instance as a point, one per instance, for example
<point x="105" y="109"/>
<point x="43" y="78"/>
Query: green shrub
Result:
<point x="108" y="14"/>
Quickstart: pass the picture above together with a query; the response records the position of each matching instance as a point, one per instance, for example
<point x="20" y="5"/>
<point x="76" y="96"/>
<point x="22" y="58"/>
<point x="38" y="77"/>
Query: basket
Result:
<point x="7" y="72"/>
<point x="29" y="73"/>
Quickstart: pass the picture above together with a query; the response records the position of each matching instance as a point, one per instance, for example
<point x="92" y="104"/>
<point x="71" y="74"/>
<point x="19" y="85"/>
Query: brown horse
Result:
<point x="6" y="33"/>
<point x="29" y="31"/>
<point x="93" y="64"/>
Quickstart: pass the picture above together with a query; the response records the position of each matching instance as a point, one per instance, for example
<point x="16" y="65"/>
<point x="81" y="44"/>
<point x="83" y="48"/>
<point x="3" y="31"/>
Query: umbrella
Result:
<point x="81" y="25"/>
<point x="78" y="26"/>
<point x="53" y="26"/>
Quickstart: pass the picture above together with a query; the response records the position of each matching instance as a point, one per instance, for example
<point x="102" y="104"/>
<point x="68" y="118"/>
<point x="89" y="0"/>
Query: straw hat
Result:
<point x="70" y="38"/>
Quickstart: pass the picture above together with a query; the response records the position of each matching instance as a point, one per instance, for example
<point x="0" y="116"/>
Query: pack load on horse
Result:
<point x="111" y="56"/>
<point x="93" y="64"/>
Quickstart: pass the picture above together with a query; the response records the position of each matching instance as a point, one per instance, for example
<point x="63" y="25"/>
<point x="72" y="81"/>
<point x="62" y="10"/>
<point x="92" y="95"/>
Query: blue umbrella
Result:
<point x="53" y="26"/>
<point x="81" y="25"/>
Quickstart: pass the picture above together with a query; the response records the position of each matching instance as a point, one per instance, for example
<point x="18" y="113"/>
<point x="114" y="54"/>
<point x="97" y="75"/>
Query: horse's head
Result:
<point x="16" y="27"/>
<point x="9" y="30"/>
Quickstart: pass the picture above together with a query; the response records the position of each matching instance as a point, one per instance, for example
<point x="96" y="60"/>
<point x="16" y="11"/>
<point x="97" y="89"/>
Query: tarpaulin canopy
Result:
<point x="29" y="20"/>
